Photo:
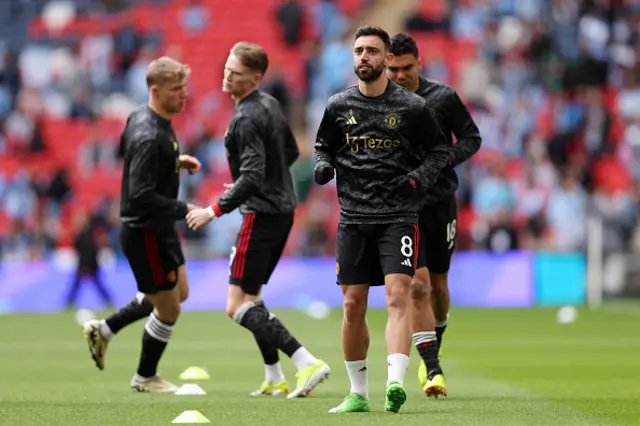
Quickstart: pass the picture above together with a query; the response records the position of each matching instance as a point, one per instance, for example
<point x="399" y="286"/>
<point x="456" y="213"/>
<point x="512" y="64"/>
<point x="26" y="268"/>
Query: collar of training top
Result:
<point x="391" y="86"/>
<point x="160" y="119"/>
<point x="250" y="96"/>
<point x="423" y="84"/>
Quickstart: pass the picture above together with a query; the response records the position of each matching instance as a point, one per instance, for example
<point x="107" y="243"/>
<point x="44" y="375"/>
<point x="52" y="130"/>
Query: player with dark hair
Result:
<point x="386" y="149"/>
<point x="260" y="149"/>
<point x="439" y="212"/>
<point x="148" y="211"/>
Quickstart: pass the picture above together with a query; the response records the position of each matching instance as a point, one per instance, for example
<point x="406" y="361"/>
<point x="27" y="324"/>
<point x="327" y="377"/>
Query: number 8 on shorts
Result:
<point x="407" y="246"/>
<point x="398" y="254"/>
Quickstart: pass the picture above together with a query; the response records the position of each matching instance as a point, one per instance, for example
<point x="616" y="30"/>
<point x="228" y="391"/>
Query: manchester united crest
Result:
<point x="392" y="120"/>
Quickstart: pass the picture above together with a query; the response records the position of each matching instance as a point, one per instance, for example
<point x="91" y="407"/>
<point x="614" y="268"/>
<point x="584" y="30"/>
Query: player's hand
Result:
<point x="405" y="185"/>
<point x="192" y="207"/>
<point x="323" y="173"/>
<point x="189" y="163"/>
<point x="199" y="218"/>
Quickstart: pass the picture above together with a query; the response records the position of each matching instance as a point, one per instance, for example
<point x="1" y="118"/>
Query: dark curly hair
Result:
<point x="404" y="44"/>
<point x="370" y="30"/>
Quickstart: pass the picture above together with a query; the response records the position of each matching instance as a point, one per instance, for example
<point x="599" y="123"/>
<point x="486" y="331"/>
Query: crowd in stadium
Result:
<point x="553" y="86"/>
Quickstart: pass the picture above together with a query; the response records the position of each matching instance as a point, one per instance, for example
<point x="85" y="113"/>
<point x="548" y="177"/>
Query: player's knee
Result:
<point x="184" y="293"/>
<point x="355" y="309"/>
<point x="231" y="310"/>
<point x="167" y="312"/>
<point x="419" y="291"/>
<point x="438" y="283"/>
<point x="398" y="296"/>
<point x="241" y="301"/>
<point x="398" y="303"/>
<point x="166" y="305"/>
<point x="183" y="284"/>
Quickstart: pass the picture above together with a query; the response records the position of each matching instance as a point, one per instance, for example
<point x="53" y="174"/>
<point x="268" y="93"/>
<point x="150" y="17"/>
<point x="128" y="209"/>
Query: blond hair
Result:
<point x="252" y="56"/>
<point x="166" y="69"/>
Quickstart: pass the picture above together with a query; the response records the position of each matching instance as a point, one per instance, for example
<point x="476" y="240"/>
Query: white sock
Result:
<point x="105" y="331"/>
<point x="302" y="358"/>
<point x="141" y="379"/>
<point x="358" y="375"/>
<point x="443" y="322"/>
<point x="398" y="364"/>
<point x="273" y="373"/>
<point x="420" y="337"/>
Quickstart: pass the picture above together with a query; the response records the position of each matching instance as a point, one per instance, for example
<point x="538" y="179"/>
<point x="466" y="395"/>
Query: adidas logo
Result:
<point x="406" y="262"/>
<point x="352" y="120"/>
<point x="363" y="369"/>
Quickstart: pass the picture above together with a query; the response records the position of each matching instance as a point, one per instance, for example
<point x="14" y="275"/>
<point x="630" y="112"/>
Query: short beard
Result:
<point x="173" y="110"/>
<point x="369" y="76"/>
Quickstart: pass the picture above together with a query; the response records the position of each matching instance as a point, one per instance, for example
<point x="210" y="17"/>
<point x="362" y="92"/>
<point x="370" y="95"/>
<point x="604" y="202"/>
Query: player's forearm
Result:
<point x="149" y="200"/>
<point x="437" y="159"/>
<point x="244" y="188"/>
<point x="465" y="148"/>
<point x="325" y="145"/>
<point x="465" y="130"/>
<point x="438" y="155"/>
<point x="323" y="155"/>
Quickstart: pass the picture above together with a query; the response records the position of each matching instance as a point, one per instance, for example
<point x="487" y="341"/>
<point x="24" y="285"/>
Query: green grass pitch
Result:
<point x="503" y="367"/>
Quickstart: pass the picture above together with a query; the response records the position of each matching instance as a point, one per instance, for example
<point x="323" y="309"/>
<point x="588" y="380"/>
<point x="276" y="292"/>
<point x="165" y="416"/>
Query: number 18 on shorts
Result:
<point x="367" y="253"/>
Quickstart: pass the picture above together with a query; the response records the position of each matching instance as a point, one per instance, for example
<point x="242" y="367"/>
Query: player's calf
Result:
<point x="424" y="334"/>
<point x="355" y="337"/>
<point x="420" y="292"/>
<point x="398" y="300"/>
<point x="140" y="307"/>
<point x="440" y="302"/>
<point x="398" y="333"/>
<point x="355" y="334"/>
<point x="422" y="317"/>
<point x="273" y="375"/>
<point x="267" y="327"/>
<point x="157" y="334"/>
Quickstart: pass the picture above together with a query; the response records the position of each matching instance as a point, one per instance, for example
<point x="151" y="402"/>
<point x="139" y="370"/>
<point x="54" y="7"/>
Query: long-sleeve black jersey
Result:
<point x="151" y="174"/>
<point x="373" y="140"/>
<point x="453" y="117"/>
<point x="260" y="150"/>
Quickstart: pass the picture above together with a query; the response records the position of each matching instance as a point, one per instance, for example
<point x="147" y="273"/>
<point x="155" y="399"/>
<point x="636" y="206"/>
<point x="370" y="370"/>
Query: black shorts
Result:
<point x="154" y="257"/>
<point x="438" y="229"/>
<point x="368" y="253"/>
<point x="258" y="248"/>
